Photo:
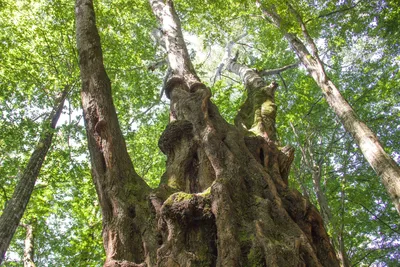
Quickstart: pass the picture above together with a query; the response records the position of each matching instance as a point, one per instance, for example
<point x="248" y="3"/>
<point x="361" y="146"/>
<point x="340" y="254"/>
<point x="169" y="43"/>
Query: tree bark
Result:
<point x="221" y="201"/>
<point x="29" y="246"/>
<point x="258" y="113"/>
<point x="230" y="183"/>
<point x="16" y="206"/>
<point x="384" y="166"/>
<point x="122" y="193"/>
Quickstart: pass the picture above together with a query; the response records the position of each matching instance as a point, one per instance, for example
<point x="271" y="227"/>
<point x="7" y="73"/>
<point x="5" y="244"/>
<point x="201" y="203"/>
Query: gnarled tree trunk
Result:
<point x="222" y="201"/>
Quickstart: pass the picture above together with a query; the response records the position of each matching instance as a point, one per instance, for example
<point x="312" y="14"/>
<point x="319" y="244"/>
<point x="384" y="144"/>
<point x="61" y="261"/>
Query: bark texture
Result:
<point x="29" y="246"/>
<point x="222" y="200"/>
<point x="16" y="206"/>
<point x="384" y="166"/>
<point x="121" y="192"/>
<point x="238" y="195"/>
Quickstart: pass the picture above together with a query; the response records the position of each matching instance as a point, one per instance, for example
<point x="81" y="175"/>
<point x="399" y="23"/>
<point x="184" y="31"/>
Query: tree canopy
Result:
<point x="358" y="43"/>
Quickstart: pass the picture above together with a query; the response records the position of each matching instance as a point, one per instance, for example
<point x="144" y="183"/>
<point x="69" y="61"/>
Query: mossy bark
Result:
<point x="223" y="199"/>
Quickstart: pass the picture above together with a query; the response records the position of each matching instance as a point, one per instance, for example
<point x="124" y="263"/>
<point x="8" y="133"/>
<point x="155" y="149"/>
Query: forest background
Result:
<point x="357" y="41"/>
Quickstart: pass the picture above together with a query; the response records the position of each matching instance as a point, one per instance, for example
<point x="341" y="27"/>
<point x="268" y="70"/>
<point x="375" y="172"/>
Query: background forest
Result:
<point x="358" y="42"/>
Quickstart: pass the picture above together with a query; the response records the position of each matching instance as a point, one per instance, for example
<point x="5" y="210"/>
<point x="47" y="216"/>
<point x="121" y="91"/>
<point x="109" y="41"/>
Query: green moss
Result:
<point x="268" y="107"/>
<point x="258" y="200"/>
<point x="245" y="237"/>
<point x="177" y="197"/>
<point x="181" y="196"/>
<point x="206" y="192"/>
<point x="172" y="182"/>
<point x="255" y="257"/>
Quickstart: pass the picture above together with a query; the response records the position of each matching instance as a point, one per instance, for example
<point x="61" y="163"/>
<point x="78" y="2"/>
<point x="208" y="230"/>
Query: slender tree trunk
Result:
<point x="323" y="203"/>
<point x="29" y="246"/>
<point x="315" y="167"/>
<point x="342" y="253"/>
<point x="16" y="206"/>
<point x="384" y="166"/>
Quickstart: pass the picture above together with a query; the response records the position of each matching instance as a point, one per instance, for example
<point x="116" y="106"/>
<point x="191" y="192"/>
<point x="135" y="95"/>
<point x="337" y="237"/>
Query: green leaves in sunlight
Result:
<point x="357" y="41"/>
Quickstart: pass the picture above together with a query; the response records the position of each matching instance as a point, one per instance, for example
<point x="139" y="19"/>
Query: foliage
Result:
<point x="358" y="42"/>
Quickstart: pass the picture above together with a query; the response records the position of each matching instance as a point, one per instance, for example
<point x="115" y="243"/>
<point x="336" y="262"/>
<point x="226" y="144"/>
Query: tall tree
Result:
<point x="38" y="53"/>
<point x="384" y="166"/>
<point x="122" y="193"/>
<point x="222" y="200"/>
<point x="15" y="207"/>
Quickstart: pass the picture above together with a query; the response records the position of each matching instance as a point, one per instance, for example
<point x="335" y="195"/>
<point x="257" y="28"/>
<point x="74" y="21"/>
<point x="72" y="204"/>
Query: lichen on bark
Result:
<point x="224" y="198"/>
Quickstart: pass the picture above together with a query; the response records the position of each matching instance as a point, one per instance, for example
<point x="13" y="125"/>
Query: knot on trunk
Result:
<point x="187" y="208"/>
<point x="189" y="231"/>
<point x="174" y="82"/>
<point x="174" y="133"/>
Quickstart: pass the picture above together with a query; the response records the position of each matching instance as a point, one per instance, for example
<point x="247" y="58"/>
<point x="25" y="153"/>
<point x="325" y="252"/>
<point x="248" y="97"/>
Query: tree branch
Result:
<point x="278" y="70"/>
<point x="227" y="56"/>
<point x="375" y="216"/>
<point x="306" y="35"/>
<point x="334" y="12"/>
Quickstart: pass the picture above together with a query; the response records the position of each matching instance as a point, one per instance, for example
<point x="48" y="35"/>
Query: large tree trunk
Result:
<point x="122" y="193"/>
<point x="222" y="200"/>
<point x="384" y="166"/>
<point x="254" y="218"/>
<point x="16" y="206"/>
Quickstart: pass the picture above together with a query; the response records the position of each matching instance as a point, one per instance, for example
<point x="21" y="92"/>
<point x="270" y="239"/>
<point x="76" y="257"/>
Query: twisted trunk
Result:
<point x="253" y="217"/>
<point x="222" y="200"/>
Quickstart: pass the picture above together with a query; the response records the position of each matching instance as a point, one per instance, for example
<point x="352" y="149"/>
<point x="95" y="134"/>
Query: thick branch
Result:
<point x="178" y="55"/>
<point x="258" y="112"/>
<point x="227" y="56"/>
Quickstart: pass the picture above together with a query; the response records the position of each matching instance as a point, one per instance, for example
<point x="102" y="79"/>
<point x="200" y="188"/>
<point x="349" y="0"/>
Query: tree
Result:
<point x="385" y="167"/>
<point x="214" y="174"/>
<point x="359" y="52"/>
<point x="15" y="208"/>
